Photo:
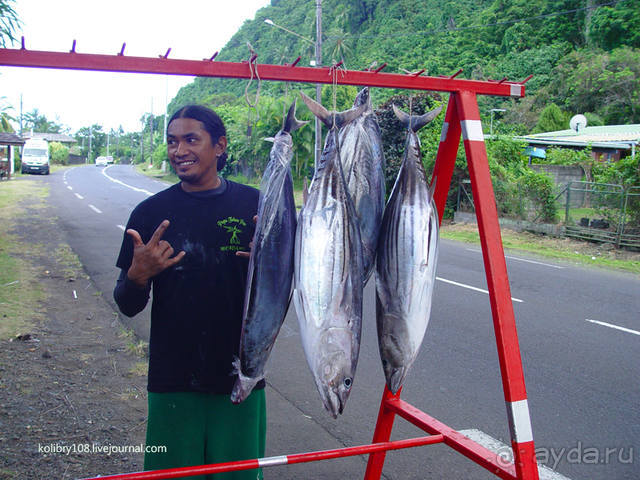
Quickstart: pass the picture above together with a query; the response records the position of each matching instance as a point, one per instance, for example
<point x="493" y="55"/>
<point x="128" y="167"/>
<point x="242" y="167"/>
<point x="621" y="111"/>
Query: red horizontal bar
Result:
<point x="464" y="445"/>
<point x="118" y="63"/>
<point x="274" y="461"/>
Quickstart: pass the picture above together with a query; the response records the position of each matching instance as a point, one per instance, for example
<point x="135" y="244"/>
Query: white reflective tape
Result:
<point x="472" y="130"/>
<point x="520" y="421"/>
<point x="516" y="90"/>
<point x="273" y="461"/>
<point x="445" y="129"/>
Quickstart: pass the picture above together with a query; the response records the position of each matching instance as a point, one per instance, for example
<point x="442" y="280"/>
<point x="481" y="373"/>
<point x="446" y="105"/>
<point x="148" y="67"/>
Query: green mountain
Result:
<point x="584" y="55"/>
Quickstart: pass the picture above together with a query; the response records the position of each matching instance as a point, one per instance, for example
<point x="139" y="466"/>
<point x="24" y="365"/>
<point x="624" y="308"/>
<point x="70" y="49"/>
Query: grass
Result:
<point x="581" y="253"/>
<point x="20" y="291"/>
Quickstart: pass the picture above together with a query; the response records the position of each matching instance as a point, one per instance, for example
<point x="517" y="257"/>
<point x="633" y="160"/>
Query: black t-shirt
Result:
<point x="196" y="314"/>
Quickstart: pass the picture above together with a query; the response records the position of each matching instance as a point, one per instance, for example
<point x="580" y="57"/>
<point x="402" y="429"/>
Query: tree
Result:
<point x="39" y="123"/>
<point x="5" y="117"/>
<point x="9" y="22"/>
<point x="551" y="119"/>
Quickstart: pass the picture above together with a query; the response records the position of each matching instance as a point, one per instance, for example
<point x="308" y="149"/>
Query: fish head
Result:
<point x="335" y="384"/>
<point x="335" y="371"/>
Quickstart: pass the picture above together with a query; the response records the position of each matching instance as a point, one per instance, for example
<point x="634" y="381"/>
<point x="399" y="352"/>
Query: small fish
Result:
<point x="328" y="271"/>
<point x="406" y="260"/>
<point x="268" y="290"/>
<point x="363" y="165"/>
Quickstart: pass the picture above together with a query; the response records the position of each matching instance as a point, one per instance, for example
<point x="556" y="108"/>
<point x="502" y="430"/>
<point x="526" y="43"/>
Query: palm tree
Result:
<point x="9" y="22"/>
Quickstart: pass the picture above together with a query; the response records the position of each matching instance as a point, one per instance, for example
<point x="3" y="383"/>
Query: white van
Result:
<point x="35" y="156"/>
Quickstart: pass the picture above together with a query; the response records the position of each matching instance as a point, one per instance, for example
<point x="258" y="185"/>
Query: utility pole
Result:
<point x="90" y="135"/>
<point x="318" y="149"/>
<point x="20" y="114"/>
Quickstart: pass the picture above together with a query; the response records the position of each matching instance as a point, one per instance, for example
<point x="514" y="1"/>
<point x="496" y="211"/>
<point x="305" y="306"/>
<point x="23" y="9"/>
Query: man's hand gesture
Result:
<point x="151" y="258"/>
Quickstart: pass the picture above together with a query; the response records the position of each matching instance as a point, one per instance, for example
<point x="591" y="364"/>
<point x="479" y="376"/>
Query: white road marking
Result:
<point x="95" y="209"/>
<point x="506" y="453"/>
<point x="521" y="259"/>
<point x="142" y="190"/>
<point x="610" y="325"/>
<point x="79" y="196"/>
<point x="121" y="227"/>
<point x="476" y="289"/>
<point x="69" y="187"/>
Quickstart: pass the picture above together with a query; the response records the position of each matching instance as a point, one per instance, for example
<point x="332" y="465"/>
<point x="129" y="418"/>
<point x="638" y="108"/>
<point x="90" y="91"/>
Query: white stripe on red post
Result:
<point x="445" y="129"/>
<point x="273" y="461"/>
<point x="516" y="90"/>
<point x="472" y="130"/>
<point x="520" y="421"/>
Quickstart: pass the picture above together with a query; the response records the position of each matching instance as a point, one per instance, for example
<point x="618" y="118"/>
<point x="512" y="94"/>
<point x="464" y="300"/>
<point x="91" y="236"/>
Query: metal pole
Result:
<point x="318" y="125"/>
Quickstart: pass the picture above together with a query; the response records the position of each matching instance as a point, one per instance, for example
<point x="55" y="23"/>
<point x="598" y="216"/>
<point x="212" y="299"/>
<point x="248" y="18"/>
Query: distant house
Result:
<point x="609" y="143"/>
<point x="51" y="137"/>
<point x="7" y="143"/>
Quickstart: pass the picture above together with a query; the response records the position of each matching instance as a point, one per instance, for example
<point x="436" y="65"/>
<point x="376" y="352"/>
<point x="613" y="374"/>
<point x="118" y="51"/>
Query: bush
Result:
<point x="58" y="153"/>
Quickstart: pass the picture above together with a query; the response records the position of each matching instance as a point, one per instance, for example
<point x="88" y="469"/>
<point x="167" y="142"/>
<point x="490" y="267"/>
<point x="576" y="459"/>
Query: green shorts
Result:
<point x="203" y="428"/>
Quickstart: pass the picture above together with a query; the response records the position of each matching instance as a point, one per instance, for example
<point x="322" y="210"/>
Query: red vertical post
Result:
<point x="382" y="433"/>
<point x="446" y="157"/>
<point x="498" y="286"/>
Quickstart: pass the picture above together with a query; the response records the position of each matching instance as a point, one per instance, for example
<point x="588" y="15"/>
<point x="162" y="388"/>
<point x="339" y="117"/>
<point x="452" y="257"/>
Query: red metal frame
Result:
<point x="462" y="119"/>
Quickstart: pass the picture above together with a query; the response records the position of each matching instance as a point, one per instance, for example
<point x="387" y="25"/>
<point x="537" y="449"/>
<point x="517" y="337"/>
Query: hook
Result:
<point x="456" y="74"/>
<point x="122" y="50"/>
<point x="295" y="62"/>
<point x="526" y="79"/>
<point x="377" y="70"/>
<point x="166" y="54"/>
<point x="417" y="74"/>
<point x="23" y="43"/>
<point x="73" y="47"/>
<point x="212" y="57"/>
<point x="503" y="80"/>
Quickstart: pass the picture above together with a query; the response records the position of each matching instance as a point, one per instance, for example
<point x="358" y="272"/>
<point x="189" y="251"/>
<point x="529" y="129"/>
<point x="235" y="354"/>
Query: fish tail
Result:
<point x="243" y="385"/>
<point x="416" y="122"/>
<point x="339" y="119"/>
<point x="291" y="123"/>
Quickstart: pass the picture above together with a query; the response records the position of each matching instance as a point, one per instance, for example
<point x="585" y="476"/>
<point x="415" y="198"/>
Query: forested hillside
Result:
<point x="584" y="55"/>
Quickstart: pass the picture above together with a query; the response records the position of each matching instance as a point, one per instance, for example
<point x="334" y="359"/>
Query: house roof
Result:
<point x="610" y="136"/>
<point x="50" y="137"/>
<point x="10" y="139"/>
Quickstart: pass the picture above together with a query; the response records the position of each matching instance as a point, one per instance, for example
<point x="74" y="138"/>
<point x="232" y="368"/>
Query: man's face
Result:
<point x="193" y="155"/>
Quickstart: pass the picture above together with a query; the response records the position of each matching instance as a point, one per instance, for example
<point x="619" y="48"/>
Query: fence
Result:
<point x="603" y="213"/>
<point x="595" y="212"/>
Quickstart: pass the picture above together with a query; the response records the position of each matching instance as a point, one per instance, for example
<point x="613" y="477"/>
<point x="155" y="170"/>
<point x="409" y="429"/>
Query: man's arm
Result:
<point x="130" y="297"/>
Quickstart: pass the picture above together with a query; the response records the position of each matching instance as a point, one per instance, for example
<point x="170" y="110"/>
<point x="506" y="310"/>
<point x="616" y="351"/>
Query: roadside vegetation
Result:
<point x="21" y="295"/>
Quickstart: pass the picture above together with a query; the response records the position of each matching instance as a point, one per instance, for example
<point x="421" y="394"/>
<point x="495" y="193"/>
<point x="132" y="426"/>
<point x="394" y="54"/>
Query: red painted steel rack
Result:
<point x="462" y="118"/>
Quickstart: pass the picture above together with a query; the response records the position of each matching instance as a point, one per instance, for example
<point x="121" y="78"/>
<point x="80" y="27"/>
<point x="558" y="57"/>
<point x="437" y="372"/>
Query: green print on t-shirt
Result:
<point x="234" y="226"/>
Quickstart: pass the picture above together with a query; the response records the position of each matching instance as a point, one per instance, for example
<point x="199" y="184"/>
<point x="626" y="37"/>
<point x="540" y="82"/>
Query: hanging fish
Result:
<point x="328" y="271"/>
<point x="270" y="273"/>
<point x="406" y="260"/>
<point x="363" y="165"/>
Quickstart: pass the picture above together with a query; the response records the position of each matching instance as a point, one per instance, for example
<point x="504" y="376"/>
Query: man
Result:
<point x="198" y="294"/>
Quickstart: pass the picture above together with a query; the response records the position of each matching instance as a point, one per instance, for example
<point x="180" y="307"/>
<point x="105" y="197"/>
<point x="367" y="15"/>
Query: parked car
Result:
<point x="101" y="162"/>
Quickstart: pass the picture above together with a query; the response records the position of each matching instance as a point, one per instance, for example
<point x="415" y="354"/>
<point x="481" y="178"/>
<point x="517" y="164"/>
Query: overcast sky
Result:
<point x="193" y="29"/>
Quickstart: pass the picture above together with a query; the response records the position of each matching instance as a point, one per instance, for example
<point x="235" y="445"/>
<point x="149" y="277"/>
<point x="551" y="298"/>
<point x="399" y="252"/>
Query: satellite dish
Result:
<point x="578" y="122"/>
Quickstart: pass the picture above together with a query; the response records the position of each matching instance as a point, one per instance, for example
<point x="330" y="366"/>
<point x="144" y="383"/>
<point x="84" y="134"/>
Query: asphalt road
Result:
<point x="582" y="377"/>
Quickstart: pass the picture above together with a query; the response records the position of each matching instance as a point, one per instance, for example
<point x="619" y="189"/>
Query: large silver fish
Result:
<point x="328" y="271"/>
<point x="406" y="260"/>
<point x="268" y="290"/>
<point x="363" y="165"/>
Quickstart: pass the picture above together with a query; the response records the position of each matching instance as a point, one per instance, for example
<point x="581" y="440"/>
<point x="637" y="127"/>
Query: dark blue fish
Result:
<point x="270" y="265"/>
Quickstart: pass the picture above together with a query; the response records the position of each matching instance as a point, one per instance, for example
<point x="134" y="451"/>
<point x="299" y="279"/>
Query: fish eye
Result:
<point x="347" y="382"/>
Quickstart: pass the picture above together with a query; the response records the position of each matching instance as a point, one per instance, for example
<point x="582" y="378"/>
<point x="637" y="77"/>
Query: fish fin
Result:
<point x="339" y="119"/>
<point x="291" y="123"/>
<point x="318" y="110"/>
<point x="416" y="122"/>
<point x="269" y="139"/>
